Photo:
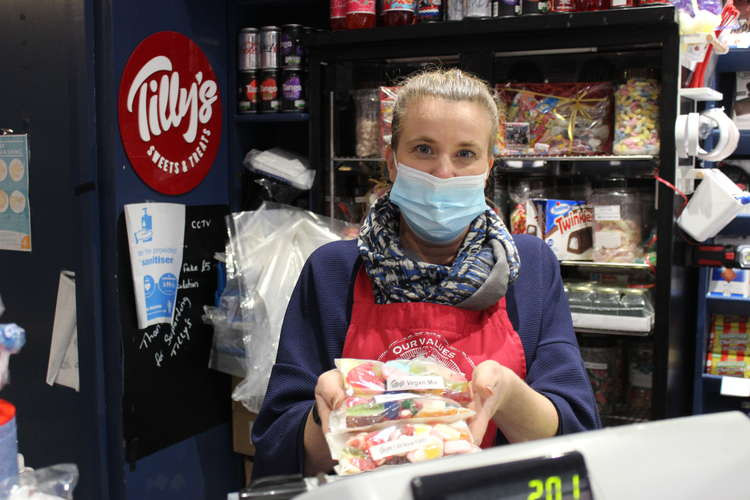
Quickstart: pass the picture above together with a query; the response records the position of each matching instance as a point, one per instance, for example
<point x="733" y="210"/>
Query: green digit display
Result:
<point x="538" y="486"/>
<point x="576" y="487"/>
<point x="553" y="487"/>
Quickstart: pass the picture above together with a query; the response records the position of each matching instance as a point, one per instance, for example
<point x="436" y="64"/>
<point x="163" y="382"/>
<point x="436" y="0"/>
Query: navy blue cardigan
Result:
<point x="318" y="316"/>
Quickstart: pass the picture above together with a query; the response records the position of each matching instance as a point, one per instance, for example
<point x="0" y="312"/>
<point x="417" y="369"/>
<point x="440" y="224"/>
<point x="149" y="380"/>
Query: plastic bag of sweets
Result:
<point x="423" y="376"/>
<point x="367" y="412"/>
<point x="398" y="444"/>
<point x="556" y="119"/>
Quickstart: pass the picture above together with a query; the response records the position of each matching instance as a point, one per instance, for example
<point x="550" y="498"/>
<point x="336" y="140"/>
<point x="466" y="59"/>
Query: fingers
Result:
<point x="486" y="379"/>
<point x="329" y="394"/>
<point x="485" y="388"/>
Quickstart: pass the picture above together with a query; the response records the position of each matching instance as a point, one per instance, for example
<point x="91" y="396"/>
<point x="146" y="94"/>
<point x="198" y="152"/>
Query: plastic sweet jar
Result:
<point x="603" y="362"/>
<point x="637" y="114"/>
<point x="360" y="14"/>
<point x="617" y="228"/>
<point x="399" y="12"/>
<point x="367" y="125"/>
<point x="640" y="376"/>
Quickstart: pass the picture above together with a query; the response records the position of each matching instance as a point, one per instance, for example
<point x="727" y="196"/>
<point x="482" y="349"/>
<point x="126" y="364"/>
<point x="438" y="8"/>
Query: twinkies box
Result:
<point x="566" y="227"/>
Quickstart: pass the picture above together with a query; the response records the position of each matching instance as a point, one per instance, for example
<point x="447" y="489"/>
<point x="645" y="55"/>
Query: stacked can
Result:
<point x="248" y="64"/>
<point x="292" y="75"/>
<point x="269" y="69"/>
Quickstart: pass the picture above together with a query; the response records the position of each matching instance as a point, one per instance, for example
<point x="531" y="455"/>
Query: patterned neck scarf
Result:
<point x="397" y="277"/>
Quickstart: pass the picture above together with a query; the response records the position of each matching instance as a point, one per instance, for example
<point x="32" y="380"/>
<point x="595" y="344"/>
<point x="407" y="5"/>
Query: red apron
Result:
<point x="456" y="338"/>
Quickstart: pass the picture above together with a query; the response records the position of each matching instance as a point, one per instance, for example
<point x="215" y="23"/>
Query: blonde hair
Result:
<point x="449" y="84"/>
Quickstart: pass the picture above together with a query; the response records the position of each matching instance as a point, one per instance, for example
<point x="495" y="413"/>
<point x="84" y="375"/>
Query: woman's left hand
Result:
<point x="490" y="384"/>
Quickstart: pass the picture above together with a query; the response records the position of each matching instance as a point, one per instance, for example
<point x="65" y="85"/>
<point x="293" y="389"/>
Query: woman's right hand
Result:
<point x="329" y="395"/>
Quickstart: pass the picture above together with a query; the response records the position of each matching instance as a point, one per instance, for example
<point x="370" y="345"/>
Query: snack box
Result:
<point x="566" y="227"/>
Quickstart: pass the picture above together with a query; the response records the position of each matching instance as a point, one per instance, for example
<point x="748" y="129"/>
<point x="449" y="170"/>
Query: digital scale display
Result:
<point x="562" y="477"/>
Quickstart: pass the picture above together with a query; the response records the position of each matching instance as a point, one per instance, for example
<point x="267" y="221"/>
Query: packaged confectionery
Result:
<point x="429" y="11"/>
<point x="338" y="15"/>
<point x="398" y="444"/>
<point x="640" y="375"/>
<point x="367" y="126"/>
<point x="523" y="219"/>
<point x="369" y="412"/>
<point x="387" y="103"/>
<point x="637" y="116"/>
<point x="727" y="282"/>
<point x="566" y="227"/>
<point x="555" y="119"/>
<point x="729" y="334"/>
<point x="728" y="364"/>
<point x="360" y="14"/>
<point x="617" y="223"/>
<point x="423" y="376"/>
<point x="399" y="12"/>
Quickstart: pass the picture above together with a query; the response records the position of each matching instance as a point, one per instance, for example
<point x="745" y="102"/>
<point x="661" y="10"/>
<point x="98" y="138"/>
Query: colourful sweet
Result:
<point x="397" y="444"/>
<point x="637" y="117"/>
<point x="362" y="377"/>
<point x="384" y="409"/>
<point x="424" y="376"/>
<point x="555" y="119"/>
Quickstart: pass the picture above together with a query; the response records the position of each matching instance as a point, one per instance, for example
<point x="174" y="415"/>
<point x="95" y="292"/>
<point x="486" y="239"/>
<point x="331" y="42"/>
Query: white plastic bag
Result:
<point x="270" y="245"/>
<point x="55" y="482"/>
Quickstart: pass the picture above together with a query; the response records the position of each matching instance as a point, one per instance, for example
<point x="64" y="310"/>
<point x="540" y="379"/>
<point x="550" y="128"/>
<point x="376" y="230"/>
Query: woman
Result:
<point x="433" y="273"/>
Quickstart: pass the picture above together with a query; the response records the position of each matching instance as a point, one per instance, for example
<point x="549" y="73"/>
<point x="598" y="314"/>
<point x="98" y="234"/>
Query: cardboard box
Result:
<point x="242" y="426"/>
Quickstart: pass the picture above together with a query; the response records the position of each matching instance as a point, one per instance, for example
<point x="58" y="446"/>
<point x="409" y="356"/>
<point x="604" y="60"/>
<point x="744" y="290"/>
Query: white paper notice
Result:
<point x="735" y="386"/>
<point x="62" y="367"/>
<point x="156" y="233"/>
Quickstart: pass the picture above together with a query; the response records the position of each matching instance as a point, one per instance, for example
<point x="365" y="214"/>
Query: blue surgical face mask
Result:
<point x="437" y="210"/>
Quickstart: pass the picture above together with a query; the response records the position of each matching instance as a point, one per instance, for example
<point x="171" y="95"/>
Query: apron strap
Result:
<point x="363" y="292"/>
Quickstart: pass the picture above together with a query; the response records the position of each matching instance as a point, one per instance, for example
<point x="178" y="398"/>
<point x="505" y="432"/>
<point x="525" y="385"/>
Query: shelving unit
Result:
<point x="338" y="61"/>
<point x="272" y="118"/>
<point x="708" y="393"/>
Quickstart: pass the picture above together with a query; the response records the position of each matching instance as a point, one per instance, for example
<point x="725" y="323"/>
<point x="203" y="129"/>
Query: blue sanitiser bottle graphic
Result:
<point x="145" y="233"/>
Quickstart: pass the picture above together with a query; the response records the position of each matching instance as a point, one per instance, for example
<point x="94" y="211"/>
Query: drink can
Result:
<point x="292" y="91"/>
<point x="248" y="49"/>
<point x="454" y="10"/>
<point x="247" y="98"/>
<point x="566" y="5"/>
<point x="477" y="8"/>
<point x="269" y="47"/>
<point x="291" y="46"/>
<point x="508" y="8"/>
<point x="269" y="91"/>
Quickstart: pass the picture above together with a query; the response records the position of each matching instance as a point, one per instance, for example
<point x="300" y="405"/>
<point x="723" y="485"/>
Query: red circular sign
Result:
<point x="170" y="112"/>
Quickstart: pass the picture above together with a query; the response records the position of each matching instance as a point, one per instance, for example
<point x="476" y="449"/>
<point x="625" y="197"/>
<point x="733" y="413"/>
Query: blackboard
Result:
<point x="169" y="392"/>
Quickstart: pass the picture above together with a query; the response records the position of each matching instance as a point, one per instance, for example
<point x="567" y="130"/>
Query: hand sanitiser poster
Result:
<point x="156" y="233"/>
<point x="15" y="211"/>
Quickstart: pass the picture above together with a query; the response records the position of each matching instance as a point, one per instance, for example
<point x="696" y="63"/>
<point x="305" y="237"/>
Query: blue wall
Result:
<point x="203" y="467"/>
